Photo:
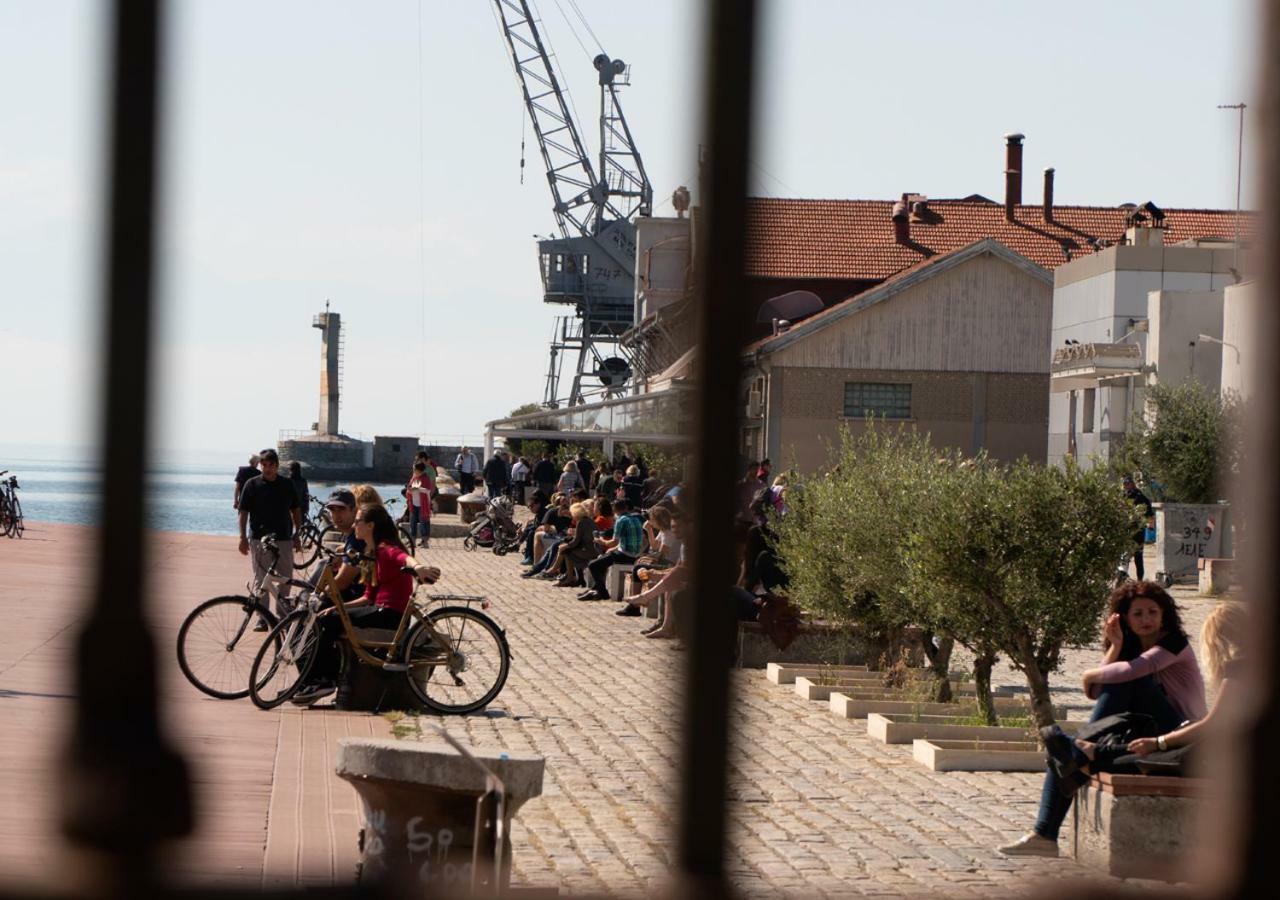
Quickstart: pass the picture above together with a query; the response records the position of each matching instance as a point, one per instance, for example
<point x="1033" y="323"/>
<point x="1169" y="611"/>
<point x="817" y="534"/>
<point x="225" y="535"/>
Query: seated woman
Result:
<point x="573" y="554"/>
<point x="388" y="592"/>
<point x="555" y="522"/>
<point x="663" y="553"/>
<point x="1147" y="667"/>
<point x="1222" y="641"/>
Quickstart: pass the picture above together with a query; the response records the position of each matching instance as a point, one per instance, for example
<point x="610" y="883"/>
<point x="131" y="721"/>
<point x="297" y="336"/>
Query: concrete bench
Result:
<point x="1137" y="826"/>
<point x="1215" y="575"/>
<point x="367" y="688"/>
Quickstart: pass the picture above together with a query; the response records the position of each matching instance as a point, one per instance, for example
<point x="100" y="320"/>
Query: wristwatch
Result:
<point x="1162" y="743"/>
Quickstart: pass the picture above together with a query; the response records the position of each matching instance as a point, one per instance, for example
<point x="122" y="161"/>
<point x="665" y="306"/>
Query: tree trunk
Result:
<point x="982" y="666"/>
<point x="939" y="657"/>
<point x="1037" y="681"/>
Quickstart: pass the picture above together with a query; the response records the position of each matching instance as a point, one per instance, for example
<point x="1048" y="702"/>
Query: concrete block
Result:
<point x="419" y="802"/>
<point x="782" y="673"/>
<point x="979" y="756"/>
<point x="1215" y="576"/>
<point x="836" y="644"/>
<point x="811" y="688"/>
<point x="893" y="728"/>
<point x="1135" y="833"/>
<point x="860" y="705"/>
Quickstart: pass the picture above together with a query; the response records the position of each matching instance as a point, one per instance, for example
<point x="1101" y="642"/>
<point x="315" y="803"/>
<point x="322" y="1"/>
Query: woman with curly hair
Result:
<point x="1148" y="667"/>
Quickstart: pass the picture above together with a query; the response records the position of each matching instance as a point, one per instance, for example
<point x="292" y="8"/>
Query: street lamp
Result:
<point x="1213" y="340"/>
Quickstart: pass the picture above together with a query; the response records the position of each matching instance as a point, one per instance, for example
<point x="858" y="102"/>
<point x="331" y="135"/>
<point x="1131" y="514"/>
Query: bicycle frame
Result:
<point x="327" y="587"/>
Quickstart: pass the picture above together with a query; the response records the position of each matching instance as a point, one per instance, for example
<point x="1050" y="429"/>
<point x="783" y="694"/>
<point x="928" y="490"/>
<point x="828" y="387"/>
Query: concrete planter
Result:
<point x="859" y="706"/>
<point x="903" y="729"/>
<point x="979" y="756"/>
<point x="845" y="645"/>
<point x="811" y="689"/>
<point x="782" y="673"/>
<point x="1185" y="534"/>
<point x="1138" y="826"/>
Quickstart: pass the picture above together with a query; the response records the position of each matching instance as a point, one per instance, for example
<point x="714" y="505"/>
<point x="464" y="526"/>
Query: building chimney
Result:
<point x="901" y="222"/>
<point x="1048" y="194"/>
<point x="1012" y="173"/>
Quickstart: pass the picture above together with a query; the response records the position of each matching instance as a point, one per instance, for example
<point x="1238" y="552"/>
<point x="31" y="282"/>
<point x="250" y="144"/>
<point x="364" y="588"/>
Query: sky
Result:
<point x="368" y="155"/>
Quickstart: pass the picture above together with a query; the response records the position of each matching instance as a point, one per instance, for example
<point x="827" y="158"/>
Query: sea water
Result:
<point x="180" y="497"/>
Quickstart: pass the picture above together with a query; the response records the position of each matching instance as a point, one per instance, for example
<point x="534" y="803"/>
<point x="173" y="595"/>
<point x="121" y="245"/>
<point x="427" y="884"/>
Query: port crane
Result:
<point x="591" y="264"/>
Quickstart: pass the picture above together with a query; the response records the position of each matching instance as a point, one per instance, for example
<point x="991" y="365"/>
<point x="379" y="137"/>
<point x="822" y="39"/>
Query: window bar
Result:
<point x="722" y="331"/>
<point x="125" y="788"/>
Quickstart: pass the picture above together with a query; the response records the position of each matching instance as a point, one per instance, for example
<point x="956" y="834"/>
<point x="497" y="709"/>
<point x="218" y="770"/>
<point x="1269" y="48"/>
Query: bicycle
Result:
<point x="220" y="638"/>
<point x="11" y="521"/>
<point x="430" y="647"/>
<point x="402" y="525"/>
<point x="316" y="529"/>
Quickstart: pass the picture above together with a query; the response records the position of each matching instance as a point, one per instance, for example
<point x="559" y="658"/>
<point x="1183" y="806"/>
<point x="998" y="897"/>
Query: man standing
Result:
<point x="269" y="506"/>
<point x="519" y="478"/>
<point x="467" y="466"/>
<point x="584" y="468"/>
<point x="545" y="474"/>
<point x="299" y="485"/>
<point x="243" y="474"/>
<point x="495" y="475"/>
<point x="1137" y="498"/>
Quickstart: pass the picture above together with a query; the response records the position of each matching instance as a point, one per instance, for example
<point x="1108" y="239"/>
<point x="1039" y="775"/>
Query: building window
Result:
<point x="1087" y="413"/>
<point x="864" y="399"/>
<point x="395" y="448"/>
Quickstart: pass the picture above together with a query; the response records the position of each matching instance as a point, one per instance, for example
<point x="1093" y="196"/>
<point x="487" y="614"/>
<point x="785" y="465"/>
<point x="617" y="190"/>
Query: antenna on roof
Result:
<point x="1239" y="171"/>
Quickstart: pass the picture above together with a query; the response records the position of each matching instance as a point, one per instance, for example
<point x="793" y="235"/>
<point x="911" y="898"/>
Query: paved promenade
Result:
<point x="816" y="807"/>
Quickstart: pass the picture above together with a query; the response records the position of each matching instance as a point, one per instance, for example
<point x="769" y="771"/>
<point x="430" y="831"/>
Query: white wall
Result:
<point x="1175" y="350"/>
<point x="662" y="258"/>
<point x="1239" y="306"/>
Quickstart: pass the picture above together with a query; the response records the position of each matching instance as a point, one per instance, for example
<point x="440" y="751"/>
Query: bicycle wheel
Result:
<point x="406" y="535"/>
<point x="19" y="526"/>
<point x="307" y="548"/>
<point x="217" y="644"/>
<point x="284" y="660"/>
<point x="467" y="674"/>
<point x="6" y="516"/>
<point x="331" y="538"/>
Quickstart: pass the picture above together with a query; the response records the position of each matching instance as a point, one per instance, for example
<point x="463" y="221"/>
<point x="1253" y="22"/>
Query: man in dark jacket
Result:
<point x="496" y="477"/>
<point x="545" y="475"/>
<point x="1140" y="538"/>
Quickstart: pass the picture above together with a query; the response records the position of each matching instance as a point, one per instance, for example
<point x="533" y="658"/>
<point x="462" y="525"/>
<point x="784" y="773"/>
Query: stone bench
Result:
<point x="1137" y="826"/>
<point x="1215" y="575"/>
<point x="820" y="642"/>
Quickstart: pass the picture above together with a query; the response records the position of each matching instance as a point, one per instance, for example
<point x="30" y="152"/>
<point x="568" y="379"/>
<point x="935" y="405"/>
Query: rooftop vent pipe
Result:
<point x="901" y="222"/>
<point x="1012" y="173"/>
<point x="1048" y="194"/>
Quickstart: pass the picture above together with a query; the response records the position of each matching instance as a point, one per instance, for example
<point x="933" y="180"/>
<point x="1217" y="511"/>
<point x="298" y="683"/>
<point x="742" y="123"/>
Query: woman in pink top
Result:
<point x="387" y="593"/>
<point x="1148" y="667"/>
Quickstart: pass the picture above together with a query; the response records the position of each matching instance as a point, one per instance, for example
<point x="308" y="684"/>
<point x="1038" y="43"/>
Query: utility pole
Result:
<point x="1239" y="177"/>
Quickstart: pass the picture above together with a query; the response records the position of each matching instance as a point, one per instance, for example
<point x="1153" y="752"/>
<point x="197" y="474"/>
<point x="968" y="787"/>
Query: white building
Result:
<point x="1128" y="316"/>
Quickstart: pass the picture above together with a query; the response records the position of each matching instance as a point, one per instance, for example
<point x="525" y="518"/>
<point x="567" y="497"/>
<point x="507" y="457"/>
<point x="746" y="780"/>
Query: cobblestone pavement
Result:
<point x="817" y="807"/>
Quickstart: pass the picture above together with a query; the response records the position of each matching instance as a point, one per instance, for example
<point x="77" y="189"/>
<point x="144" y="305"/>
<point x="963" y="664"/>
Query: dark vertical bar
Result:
<point x="722" y="332"/>
<point x="124" y="789"/>
<point x="1256" y="864"/>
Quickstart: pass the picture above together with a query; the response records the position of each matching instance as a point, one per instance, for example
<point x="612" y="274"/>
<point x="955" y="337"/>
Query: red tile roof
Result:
<point x="853" y="239"/>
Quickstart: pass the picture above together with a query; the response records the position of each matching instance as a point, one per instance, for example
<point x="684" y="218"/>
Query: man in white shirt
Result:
<point x="519" y="478"/>
<point x="467" y="466"/>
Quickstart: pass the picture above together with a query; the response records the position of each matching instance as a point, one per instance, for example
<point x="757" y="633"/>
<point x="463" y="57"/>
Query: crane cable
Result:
<point x="586" y="24"/>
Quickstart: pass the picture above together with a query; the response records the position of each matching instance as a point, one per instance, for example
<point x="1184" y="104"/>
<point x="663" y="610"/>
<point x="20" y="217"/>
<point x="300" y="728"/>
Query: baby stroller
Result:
<point x="495" y="527"/>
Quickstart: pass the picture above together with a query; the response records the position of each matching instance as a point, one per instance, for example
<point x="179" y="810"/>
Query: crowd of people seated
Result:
<point x="589" y="517"/>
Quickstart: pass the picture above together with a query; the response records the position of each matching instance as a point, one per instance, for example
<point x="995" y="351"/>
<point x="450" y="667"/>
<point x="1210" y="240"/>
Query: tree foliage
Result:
<point x="1014" y="560"/>
<point x="1188" y="443"/>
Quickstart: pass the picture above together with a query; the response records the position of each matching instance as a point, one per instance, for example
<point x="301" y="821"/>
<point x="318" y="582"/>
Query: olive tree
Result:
<point x="842" y="540"/>
<point x="1186" y="443"/>
<point x="1019" y="559"/>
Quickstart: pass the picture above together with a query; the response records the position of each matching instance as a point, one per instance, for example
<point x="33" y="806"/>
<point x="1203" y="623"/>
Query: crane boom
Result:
<point x="591" y="265"/>
<point x="573" y="182"/>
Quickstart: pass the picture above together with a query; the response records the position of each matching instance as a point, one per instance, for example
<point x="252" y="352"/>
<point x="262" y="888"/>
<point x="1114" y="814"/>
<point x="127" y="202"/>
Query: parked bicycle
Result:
<point x="316" y="531"/>
<point x="454" y="658"/>
<point x="11" y="523"/>
<point x="220" y="638"/>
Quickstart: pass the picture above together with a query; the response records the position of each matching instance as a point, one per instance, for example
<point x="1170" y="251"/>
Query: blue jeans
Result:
<point x="419" y="525"/>
<point x="549" y="545"/>
<point x="1142" y="695"/>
